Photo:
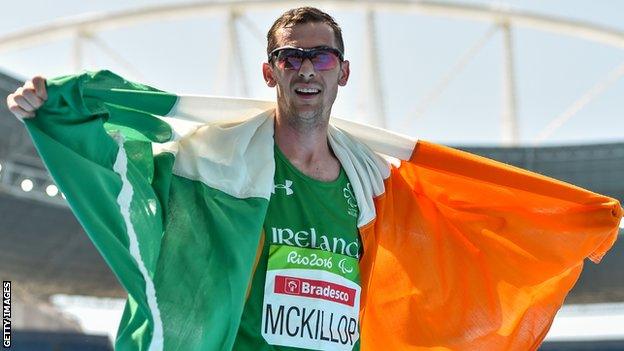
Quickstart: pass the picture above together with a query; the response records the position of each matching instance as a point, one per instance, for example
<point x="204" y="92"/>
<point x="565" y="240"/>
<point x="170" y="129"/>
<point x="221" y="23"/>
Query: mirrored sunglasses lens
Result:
<point x="289" y="59"/>
<point x="324" y="61"/>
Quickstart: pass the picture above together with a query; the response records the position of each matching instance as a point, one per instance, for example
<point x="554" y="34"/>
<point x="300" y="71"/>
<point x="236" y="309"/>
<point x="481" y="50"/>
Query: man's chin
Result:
<point x="306" y="117"/>
<point x="309" y="114"/>
<point x="307" y="110"/>
<point x="303" y="114"/>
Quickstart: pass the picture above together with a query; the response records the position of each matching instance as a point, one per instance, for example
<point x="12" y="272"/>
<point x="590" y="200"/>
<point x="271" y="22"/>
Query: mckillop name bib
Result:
<point x="311" y="299"/>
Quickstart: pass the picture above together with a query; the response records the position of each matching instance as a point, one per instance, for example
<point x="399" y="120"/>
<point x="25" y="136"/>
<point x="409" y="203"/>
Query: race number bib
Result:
<point x="311" y="299"/>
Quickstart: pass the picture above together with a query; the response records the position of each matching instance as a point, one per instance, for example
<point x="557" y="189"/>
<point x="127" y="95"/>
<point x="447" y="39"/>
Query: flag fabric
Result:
<point x="459" y="252"/>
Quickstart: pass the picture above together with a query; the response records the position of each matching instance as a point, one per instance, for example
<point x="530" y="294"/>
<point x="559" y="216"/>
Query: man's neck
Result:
<point x="308" y="150"/>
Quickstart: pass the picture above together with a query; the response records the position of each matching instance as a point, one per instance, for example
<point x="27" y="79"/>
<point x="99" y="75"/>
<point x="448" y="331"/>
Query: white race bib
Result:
<point x="311" y="299"/>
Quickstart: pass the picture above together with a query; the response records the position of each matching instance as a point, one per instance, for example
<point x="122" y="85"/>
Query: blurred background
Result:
<point x="537" y="84"/>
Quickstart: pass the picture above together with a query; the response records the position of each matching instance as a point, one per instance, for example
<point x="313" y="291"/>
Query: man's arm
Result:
<point x="93" y="133"/>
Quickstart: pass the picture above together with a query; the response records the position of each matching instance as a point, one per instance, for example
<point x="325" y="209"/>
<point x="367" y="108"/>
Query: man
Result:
<point x="283" y="232"/>
<point x="313" y="196"/>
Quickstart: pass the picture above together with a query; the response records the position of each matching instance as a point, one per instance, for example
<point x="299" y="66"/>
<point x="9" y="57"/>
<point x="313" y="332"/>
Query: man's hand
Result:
<point x="27" y="99"/>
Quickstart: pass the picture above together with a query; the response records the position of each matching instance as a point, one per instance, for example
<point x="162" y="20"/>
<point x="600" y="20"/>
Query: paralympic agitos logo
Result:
<point x="309" y="238"/>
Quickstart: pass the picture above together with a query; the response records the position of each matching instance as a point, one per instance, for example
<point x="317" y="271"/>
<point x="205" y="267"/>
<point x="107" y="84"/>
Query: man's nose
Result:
<point x="306" y="70"/>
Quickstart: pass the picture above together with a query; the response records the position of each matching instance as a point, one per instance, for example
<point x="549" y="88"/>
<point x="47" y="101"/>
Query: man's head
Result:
<point x="303" y="15"/>
<point x="306" y="81"/>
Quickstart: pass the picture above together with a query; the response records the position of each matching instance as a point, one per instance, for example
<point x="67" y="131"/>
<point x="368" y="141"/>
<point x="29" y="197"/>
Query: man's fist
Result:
<point x="26" y="100"/>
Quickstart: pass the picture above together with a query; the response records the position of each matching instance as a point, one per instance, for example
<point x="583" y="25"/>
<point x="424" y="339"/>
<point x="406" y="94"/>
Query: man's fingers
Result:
<point x="21" y="113"/>
<point x="17" y="110"/>
<point x="39" y="83"/>
<point x="23" y="103"/>
<point x="27" y="99"/>
<point x="31" y="96"/>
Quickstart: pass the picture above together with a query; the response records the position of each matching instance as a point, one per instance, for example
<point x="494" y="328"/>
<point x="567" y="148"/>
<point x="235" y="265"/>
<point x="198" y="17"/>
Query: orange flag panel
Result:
<point x="467" y="253"/>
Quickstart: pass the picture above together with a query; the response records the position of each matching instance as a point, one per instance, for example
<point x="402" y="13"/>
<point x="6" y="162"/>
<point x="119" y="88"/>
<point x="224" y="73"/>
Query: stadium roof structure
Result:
<point x="498" y="25"/>
<point x="45" y="251"/>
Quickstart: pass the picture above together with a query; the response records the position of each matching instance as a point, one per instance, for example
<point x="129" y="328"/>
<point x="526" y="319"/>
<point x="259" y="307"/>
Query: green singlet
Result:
<point x="305" y="293"/>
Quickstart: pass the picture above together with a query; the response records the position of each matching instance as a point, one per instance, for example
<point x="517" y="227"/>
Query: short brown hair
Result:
<point x="303" y="15"/>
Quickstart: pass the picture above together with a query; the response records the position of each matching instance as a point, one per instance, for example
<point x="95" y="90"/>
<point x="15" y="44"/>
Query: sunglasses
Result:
<point x="323" y="58"/>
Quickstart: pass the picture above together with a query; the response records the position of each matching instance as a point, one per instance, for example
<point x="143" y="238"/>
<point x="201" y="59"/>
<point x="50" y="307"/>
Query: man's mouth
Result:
<point x="307" y="92"/>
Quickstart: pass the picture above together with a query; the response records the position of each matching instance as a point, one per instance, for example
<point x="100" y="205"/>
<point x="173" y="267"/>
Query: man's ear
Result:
<point x="344" y="73"/>
<point x="267" y="72"/>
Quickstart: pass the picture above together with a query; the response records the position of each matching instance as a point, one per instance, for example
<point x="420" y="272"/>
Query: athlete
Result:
<point x="306" y="66"/>
<point x="312" y="206"/>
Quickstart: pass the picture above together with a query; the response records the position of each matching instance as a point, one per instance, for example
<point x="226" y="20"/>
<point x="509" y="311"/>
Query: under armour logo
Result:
<point x="287" y="184"/>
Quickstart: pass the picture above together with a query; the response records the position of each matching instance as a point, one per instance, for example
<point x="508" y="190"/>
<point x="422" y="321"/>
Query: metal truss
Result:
<point x="84" y="28"/>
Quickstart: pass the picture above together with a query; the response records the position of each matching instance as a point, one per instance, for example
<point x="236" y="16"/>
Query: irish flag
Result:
<point x="460" y="252"/>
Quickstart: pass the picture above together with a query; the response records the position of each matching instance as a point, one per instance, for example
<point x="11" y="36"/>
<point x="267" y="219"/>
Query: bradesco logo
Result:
<point x="315" y="288"/>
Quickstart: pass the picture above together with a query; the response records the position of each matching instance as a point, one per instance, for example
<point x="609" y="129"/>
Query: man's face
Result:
<point x="306" y="109"/>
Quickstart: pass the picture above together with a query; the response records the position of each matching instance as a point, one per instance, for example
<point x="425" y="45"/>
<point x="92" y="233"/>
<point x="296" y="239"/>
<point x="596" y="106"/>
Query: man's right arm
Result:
<point x="28" y="98"/>
<point x="93" y="131"/>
